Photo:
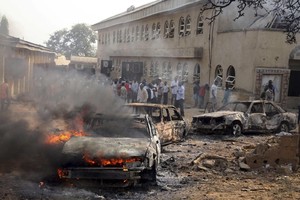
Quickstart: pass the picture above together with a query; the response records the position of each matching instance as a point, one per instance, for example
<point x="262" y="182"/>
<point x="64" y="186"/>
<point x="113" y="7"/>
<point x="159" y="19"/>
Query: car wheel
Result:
<point x="236" y="129"/>
<point x="284" y="127"/>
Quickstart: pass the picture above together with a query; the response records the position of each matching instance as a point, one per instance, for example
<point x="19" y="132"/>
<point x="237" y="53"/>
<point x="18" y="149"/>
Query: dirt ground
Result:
<point x="181" y="175"/>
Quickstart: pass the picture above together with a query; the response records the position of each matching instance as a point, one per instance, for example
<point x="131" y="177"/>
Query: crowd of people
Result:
<point x="155" y="91"/>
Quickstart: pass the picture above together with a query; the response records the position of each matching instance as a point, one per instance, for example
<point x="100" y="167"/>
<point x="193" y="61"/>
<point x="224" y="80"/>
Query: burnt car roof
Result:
<point x="150" y="105"/>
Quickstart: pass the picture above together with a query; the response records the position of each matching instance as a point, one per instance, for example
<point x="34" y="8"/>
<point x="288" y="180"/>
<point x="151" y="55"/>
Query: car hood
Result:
<point x="219" y="114"/>
<point x="107" y="147"/>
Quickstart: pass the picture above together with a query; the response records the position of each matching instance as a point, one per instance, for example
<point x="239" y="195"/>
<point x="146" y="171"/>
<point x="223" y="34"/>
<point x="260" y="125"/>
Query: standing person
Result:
<point x="165" y="92"/>
<point x="196" y="89"/>
<point x="4" y="95"/>
<point x="202" y="92"/>
<point x="159" y="90"/>
<point x="134" y="89"/>
<point x="174" y="86"/>
<point x="142" y="94"/>
<point x="269" y="91"/>
<point x="213" y="96"/>
<point x="123" y="92"/>
<point x="180" y="98"/>
<point x="227" y="93"/>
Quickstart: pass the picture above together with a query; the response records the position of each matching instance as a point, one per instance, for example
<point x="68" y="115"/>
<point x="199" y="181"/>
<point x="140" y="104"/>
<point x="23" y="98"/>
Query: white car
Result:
<point x="246" y="116"/>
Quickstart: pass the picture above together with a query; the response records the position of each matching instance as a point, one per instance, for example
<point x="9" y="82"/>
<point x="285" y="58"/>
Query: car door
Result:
<point x="257" y="117"/>
<point x="178" y="124"/>
<point x="273" y="116"/>
<point x="165" y="127"/>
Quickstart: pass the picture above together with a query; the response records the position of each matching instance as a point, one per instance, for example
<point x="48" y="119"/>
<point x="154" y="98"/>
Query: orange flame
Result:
<point x="63" y="137"/>
<point x="109" y="162"/>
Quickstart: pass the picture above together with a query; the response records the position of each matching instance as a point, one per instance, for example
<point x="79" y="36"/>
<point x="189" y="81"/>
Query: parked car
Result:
<point x="171" y="126"/>
<point x="116" y="149"/>
<point x="246" y="116"/>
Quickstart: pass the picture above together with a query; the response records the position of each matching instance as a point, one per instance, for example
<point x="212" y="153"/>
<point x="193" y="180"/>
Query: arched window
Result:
<point x="146" y="32"/>
<point x="157" y="30"/>
<point x="142" y="33"/>
<point x="230" y="78"/>
<point x="196" y="75"/>
<point x="166" y="30"/>
<point x="132" y="34"/>
<point x="172" y="29"/>
<point x="153" y="35"/>
<point x="125" y="36"/>
<point x="199" y="29"/>
<point x="181" y="28"/>
<point x="128" y="35"/>
<point x="179" y="71"/>
<point x="185" y="72"/>
<point x="188" y="25"/>
<point x="114" y="36"/>
<point x="137" y="33"/>
<point x="219" y="75"/>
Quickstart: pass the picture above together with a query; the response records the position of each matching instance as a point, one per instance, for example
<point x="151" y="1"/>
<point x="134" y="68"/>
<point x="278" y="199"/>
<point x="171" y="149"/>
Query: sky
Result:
<point x="35" y="20"/>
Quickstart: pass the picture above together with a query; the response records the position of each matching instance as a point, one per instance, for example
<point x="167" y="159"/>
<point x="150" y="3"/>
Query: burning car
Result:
<point x="116" y="149"/>
<point x="246" y="116"/>
<point x="171" y="126"/>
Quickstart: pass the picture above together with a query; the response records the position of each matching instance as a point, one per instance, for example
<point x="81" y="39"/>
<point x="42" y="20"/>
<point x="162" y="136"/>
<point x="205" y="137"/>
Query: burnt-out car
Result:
<point x="118" y="150"/>
<point x="171" y="126"/>
<point x="246" y="116"/>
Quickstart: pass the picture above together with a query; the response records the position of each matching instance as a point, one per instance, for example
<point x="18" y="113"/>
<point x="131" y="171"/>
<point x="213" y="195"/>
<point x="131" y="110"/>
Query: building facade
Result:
<point x="168" y="38"/>
<point x="19" y="62"/>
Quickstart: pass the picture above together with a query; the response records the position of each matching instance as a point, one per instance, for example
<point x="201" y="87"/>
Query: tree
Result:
<point x="78" y="41"/>
<point x="287" y="10"/>
<point x="4" y="26"/>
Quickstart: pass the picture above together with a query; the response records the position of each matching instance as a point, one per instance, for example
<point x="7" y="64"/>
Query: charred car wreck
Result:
<point x="171" y="126"/>
<point x="116" y="150"/>
<point x="246" y="116"/>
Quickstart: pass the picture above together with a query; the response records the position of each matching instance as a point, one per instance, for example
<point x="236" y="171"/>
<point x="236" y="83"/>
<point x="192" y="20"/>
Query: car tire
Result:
<point x="284" y="127"/>
<point x="236" y="129"/>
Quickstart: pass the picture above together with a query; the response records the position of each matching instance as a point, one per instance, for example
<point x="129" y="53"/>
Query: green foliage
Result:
<point x="78" y="41"/>
<point x="4" y="26"/>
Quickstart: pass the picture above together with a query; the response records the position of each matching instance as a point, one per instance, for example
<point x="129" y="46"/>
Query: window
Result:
<point x="199" y="25"/>
<point x="197" y="72"/>
<point x="114" y="37"/>
<point x="181" y="27"/>
<point x="230" y="79"/>
<point x="179" y="71"/>
<point x="125" y="36"/>
<point x="172" y="29"/>
<point x="257" y="108"/>
<point x="142" y="33"/>
<point x="153" y="36"/>
<point x="188" y="25"/>
<point x="166" y="70"/>
<point x="166" y="30"/>
<point x="128" y="35"/>
<point x="157" y="30"/>
<point x="146" y="33"/>
<point x="99" y="39"/>
<point x="219" y="75"/>
<point x="132" y="34"/>
<point x="137" y="33"/>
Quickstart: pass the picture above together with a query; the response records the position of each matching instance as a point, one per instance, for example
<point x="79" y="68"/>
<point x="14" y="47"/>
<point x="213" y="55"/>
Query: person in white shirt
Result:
<point x="180" y="98"/>
<point x="213" y="96"/>
<point x="174" y="86"/>
<point x="142" y="94"/>
<point x="165" y="92"/>
<point x="135" y="89"/>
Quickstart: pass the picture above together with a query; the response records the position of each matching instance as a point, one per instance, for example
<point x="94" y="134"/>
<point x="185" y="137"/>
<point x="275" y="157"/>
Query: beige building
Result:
<point x="168" y="38"/>
<point x="19" y="61"/>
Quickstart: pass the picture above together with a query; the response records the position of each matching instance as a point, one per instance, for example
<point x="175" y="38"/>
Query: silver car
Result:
<point x="246" y="116"/>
